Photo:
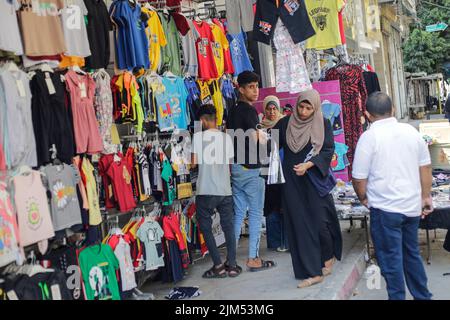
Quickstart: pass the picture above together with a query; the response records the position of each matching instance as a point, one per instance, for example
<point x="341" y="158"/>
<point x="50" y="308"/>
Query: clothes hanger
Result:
<point x="45" y="67"/>
<point x="77" y="69"/>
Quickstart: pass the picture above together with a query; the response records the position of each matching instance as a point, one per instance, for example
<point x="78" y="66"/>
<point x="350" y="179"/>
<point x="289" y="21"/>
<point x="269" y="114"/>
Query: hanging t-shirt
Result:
<point x="74" y="28"/>
<point x="123" y="255"/>
<point x="156" y="38"/>
<point x="171" y="54"/>
<point x="229" y="68"/>
<point x="120" y="175"/>
<point x="338" y="161"/>
<point x="150" y="234"/>
<point x="217" y="98"/>
<point x="41" y="28"/>
<point x="188" y="43"/>
<point x="172" y="104"/>
<point x="205" y="93"/>
<point x="220" y="44"/>
<point x="62" y="181"/>
<point x="239" y="54"/>
<point x="324" y="17"/>
<point x="132" y="42"/>
<point x="98" y="266"/>
<point x="95" y="217"/>
<point x="33" y="214"/>
<point x="10" y="39"/>
<point x="169" y="187"/>
<point x="98" y="27"/>
<point x="205" y="56"/>
<point x="9" y="248"/>
<point x="332" y="111"/>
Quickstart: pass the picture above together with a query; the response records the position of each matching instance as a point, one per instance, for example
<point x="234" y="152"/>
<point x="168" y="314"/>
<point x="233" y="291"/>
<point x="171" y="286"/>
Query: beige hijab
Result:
<point x="300" y="132"/>
<point x="266" y="123"/>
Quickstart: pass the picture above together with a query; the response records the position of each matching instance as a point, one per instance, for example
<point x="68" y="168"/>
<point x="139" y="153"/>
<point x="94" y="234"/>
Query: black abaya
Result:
<point x="312" y="225"/>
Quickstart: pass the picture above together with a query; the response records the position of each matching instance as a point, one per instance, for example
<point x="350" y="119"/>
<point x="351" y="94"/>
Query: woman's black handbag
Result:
<point x="323" y="185"/>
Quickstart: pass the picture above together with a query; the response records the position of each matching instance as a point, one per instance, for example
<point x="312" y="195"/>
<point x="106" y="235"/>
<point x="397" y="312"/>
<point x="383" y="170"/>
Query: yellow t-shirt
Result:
<point x="95" y="217"/>
<point x="217" y="100"/>
<point x="156" y="38"/>
<point x="219" y="45"/>
<point x="324" y="18"/>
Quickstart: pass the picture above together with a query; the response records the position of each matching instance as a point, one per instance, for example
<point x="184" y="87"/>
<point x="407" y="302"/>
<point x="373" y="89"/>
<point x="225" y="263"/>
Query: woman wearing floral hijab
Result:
<point x="312" y="225"/>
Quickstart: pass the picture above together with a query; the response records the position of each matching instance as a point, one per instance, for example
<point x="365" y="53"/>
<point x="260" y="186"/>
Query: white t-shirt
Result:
<point x="10" y="39"/>
<point x="214" y="150"/>
<point x="389" y="155"/>
<point x="74" y="27"/>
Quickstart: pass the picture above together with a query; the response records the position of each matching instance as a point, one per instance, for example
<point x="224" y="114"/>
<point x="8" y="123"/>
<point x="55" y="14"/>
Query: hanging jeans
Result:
<point x="395" y="238"/>
<point x="248" y="194"/>
<point x="276" y="234"/>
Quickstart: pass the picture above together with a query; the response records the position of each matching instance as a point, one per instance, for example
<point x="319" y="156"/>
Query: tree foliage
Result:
<point x="428" y="51"/>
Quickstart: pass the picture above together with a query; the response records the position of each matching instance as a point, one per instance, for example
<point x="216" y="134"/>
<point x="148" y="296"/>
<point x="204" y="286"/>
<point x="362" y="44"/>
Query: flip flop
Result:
<point x="308" y="283"/>
<point x="264" y="266"/>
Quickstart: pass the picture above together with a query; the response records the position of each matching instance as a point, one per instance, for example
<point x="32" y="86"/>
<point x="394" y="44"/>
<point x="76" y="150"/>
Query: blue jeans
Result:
<point x="395" y="238"/>
<point x="276" y="234"/>
<point x="248" y="194"/>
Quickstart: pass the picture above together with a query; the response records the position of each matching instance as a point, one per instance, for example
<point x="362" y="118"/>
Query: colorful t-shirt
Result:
<point x="98" y="266"/>
<point x="156" y="38"/>
<point x="169" y="187"/>
<point x="219" y="45"/>
<point x="150" y="234"/>
<point x="171" y="53"/>
<point x="205" y="56"/>
<point x="338" y="159"/>
<point x="324" y="17"/>
<point x="9" y="248"/>
<point x="239" y="54"/>
<point x="95" y="217"/>
<point x="120" y="175"/>
<point x="332" y="111"/>
<point x="65" y="208"/>
<point x="172" y="104"/>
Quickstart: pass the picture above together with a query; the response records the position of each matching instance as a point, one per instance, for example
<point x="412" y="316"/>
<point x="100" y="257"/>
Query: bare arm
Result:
<point x="194" y="160"/>
<point x="426" y="180"/>
<point x="360" y="186"/>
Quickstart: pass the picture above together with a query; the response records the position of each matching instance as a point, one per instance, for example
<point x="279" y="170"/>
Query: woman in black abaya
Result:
<point x="312" y="225"/>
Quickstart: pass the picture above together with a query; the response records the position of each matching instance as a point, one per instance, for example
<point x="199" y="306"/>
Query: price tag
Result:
<point x="49" y="82"/>
<point x="82" y="87"/>
<point x="56" y="292"/>
<point x="21" y="88"/>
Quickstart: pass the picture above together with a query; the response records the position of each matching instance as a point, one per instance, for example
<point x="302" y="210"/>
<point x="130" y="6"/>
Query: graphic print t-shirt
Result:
<point x="332" y="111"/>
<point x="338" y="160"/>
<point x="65" y="208"/>
<point x="98" y="266"/>
<point x="150" y="234"/>
<point x="206" y="63"/>
<point x="172" y="104"/>
<point x="324" y="18"/>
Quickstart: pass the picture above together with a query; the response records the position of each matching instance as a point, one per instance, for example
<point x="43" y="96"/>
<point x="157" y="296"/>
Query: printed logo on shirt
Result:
<point x="320" y="16"/>
<point x="99" y="282"/>
<point x="265" y="27"/>
<point x="44" y="8"/>
<point x="154" y="38"/>
<point x="202" y="45"/>
<point x="75" y="18"/>
<point x="34" y="216"/>
<point x="334" y="160"/>
<point x="216" y="49"/>
<point x="126" y="175"/>
<point x="62" y="194"/>
<point x="6" y="237"/>
<point x="291" y="6"/>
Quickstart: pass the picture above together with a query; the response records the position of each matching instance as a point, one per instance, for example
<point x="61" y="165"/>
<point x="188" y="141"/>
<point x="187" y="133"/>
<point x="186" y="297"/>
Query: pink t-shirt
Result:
<point x="33" y="213"/>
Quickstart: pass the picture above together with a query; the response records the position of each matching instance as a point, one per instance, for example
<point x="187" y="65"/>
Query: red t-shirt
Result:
<point x="120" y="174"/>
<point x="181" y="23"/>
<point x="341" y="24"/>
<point x="103" y="166"/>
<point x="229" y="68"/>
<point x="206" y="65"/>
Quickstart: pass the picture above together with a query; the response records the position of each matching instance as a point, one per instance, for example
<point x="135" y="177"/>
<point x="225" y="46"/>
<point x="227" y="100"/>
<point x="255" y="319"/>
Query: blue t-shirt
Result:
<point x="239" y="54"/>
<point x="131" y="42"/>
<point x="338" y="162"/>
<point x="172" y="104"/>
<point x="332" y="111"/>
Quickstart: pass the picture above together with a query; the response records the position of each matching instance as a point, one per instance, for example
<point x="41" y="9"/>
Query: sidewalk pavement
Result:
<point x="277" y="283"/>
<point x="438" y="284"/>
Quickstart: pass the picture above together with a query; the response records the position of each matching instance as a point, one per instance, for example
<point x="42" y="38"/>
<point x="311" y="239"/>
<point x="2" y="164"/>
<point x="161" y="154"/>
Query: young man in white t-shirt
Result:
<point x="213" y="152"/>
<point x="392" y="177"/>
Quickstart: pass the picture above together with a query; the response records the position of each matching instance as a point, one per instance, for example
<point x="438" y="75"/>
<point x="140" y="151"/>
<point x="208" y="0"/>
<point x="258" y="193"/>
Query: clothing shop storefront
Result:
<point x="94" y="183"/>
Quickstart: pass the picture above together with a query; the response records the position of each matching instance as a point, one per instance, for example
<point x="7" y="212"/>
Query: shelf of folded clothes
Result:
<point x="347" y="203"/>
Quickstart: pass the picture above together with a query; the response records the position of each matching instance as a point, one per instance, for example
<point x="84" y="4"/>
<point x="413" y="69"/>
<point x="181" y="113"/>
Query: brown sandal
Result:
<point x="309" y="282"/>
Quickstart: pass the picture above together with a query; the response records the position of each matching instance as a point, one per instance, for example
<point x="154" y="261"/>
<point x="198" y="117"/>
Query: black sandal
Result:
<point x="265" y="264"/>
<point x="233" y="271"/>
<point x="215" y="272"/>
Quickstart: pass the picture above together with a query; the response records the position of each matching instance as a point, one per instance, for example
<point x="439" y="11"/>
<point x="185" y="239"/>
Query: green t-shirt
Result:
<point x="169" y="187"/>
<point x="98" y="265"/>
<point x="171" y="55"/>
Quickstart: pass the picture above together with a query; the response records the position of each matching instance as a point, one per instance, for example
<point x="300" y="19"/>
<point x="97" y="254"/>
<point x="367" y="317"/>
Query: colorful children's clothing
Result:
<point x="332" y="111"/>
<point x="9" y="234"/>
<point x="95" y="217"/>
<point x="120" y="174"/>
<point x="338" y="160"/>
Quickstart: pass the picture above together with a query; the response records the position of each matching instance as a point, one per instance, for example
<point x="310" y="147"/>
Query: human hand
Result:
<point x="427" y="206"/>
<point x="301" y="168"/>
<point x="365" y="202"/>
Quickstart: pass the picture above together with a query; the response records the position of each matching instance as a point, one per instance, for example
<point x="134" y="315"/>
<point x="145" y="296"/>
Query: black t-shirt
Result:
<point x="244" y="116"/>
<point x="98" y="27"/>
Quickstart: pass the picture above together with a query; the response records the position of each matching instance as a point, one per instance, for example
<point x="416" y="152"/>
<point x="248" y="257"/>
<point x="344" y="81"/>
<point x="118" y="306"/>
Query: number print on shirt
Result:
<point x="126" y="175"/>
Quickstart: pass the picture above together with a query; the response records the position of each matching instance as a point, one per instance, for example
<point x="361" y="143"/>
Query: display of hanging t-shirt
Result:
<point x="98" y="266"/>
<point x="205" y="56"/>
<point x="188" y="43"/>
<point x="10" y="39"/>
<point x="169" y="187"/>
<point x="324" y="17"/>
<point x="74" y="28"/>
<point x="338" y="161"/>
<point x="219" y="45"/>
<point x="33" y="214"/>
<point x="156" y="38"/>
<point x="239" y="54"/>
<point x="150" y="234"/>
<point x="171" y="54"/>
<point x="123" y="255"/>
<point x="9" y="249"/>
<point x="172" y="104"/>
<point x="332" y="111"/>
<point x="120" y="174"/>
<point x="65" y="208"/>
